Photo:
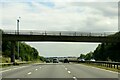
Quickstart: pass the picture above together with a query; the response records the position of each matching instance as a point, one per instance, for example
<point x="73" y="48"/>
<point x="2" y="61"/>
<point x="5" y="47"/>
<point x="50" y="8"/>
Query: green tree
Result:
<point x="82" y="56"/>
<point x="89" y="56"/>
<point x="108" y="51"/>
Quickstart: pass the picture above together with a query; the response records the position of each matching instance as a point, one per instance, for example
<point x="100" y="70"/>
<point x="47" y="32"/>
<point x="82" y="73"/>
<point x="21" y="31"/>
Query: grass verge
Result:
<point x="102" y="67"/>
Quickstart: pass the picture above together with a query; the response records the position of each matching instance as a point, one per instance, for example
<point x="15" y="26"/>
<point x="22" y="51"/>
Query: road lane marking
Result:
<point x="5" y="70"/>
<point x="65" y="68"/>
<point x="29" y="73"/>
<point x="69" y="72"/>
<point x="36" y="69"/>
<point x="99" y="69"/>
<point x="105" y="70"/>
<point x="74" y="78"/>
<point x="13" y="69"/>
<point x="20" y="67"/>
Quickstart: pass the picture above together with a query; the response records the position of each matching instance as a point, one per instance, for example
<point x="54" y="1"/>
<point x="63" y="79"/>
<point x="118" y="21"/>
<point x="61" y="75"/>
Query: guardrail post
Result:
<point x="114" y="65"/>
<point x="107" y="64"/>
<point x="101" y="64"/>
<point x="104" y="65"/>
<point x="117" y="66"/>
<point x="111" y="65"/>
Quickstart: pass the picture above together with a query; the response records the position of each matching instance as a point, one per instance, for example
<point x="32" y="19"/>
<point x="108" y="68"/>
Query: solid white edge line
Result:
<point x="5" y="70"/>
<point x="99" y="68"/>
<point x="65" y="68"/>
<point x="13" y="69"/>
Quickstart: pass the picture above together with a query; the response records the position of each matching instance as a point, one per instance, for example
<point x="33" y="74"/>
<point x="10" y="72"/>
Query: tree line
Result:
<point x="104" y="52"/>
<point x="26" y="52"/>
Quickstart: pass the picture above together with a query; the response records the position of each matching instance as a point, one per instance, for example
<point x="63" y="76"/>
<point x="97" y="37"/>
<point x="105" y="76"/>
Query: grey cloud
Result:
<point x="107" y="8"/>
<point x="83" y="17"/>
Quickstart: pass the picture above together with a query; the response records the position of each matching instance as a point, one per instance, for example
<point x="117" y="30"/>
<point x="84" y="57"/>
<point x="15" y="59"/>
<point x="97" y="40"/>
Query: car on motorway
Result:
<point x="55" y="60"/>
<point x="92" y="60"/>
<point x="81" y="59"/>
<point x="66" y="60"/>
<point x="47" y="61"/>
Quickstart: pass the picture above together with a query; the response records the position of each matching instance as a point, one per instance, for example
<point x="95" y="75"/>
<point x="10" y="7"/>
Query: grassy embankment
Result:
<point x="7" y="60"/>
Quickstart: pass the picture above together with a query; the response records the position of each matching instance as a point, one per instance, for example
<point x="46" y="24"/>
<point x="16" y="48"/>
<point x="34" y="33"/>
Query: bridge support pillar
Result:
<point x="12" y="51"/>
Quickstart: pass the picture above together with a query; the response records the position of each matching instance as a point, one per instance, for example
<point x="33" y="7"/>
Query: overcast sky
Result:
<point x="60" y="15"/>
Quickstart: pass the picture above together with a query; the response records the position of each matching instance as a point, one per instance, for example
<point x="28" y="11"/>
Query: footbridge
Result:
<point x="59" y="36"/>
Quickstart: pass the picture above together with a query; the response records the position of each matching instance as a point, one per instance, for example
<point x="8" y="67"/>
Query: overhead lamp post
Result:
<point x="18" y="21"/>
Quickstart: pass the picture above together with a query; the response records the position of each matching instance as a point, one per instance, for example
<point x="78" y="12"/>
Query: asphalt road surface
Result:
<point x="57" y="71"/>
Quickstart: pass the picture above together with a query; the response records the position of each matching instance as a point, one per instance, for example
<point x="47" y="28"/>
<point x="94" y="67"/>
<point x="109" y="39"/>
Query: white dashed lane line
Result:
<point x="74" y="78"/>
<point x="69" y="72"/>
<point x="29" y="73"/>
<point x="65" y="68"/>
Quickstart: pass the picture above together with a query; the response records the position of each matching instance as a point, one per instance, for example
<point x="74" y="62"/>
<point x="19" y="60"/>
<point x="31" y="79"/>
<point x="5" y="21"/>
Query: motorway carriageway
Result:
<point x="61" y="71"/>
